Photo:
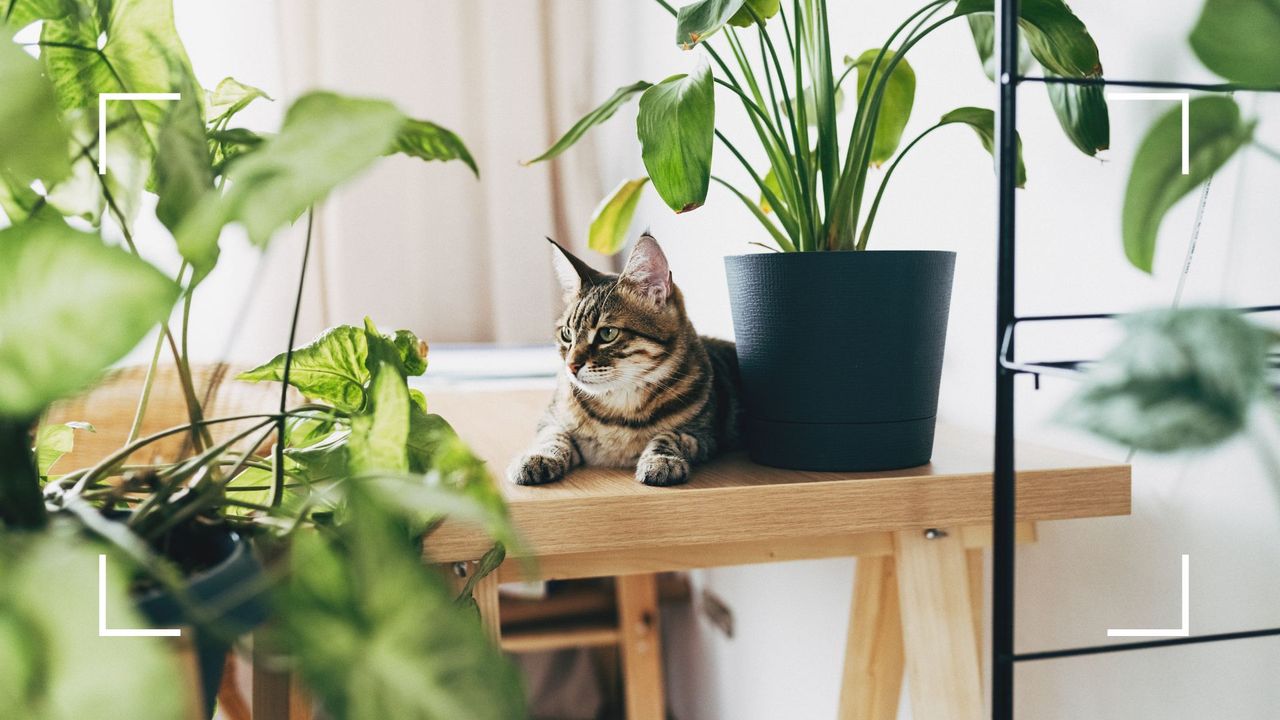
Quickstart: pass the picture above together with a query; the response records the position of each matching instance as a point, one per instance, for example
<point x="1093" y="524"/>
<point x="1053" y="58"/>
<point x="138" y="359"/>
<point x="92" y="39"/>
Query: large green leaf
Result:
<point x="366" y="652"/>
<point x="326" y="140"/>
<point x="1180" y="379"/>
<point x="1156" y="181"/>
<point x="428" y="141"/>
<point x="895" y="106"/>
<point x="593" y="118"/>
<point x="1082" y="113"/>
<point x="17" y="14"/>
<point x="33" y="142"/>
<point x="676" y="125"/>
<point x="56" y="666"/>
<point x="699" y="20"/>
<point x="1055" y="36"/>
<point x="1237" y="39"/>
<point x="983" y="29"/>
<point x="612" y="217"/>
<point x="334" y="367"/>
<point x="983" y="123"/>
<point x="183" y="170"/>
<point x="69" y="307"/>
<point x="112" y="47"/>
<point x="380" y="434"/>
<point x="763" y="9"/>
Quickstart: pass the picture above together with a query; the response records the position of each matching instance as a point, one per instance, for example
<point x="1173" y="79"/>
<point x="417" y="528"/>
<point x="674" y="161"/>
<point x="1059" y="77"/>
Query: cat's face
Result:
<point x="616" y="333"/>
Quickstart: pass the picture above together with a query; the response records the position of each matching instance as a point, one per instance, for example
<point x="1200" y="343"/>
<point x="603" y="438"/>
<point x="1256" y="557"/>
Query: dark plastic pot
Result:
<point x="841" y="355"/>
<point x="231" y="590"/>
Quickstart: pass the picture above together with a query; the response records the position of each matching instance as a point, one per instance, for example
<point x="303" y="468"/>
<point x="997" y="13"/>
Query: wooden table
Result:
<point x="918" y="534"/>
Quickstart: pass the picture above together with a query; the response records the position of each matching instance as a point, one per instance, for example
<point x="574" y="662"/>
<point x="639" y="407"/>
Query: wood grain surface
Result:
<point x="732" y="500"/>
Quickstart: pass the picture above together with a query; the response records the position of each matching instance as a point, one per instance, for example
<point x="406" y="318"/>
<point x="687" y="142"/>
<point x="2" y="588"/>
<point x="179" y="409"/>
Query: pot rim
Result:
<point x="831" y="254"/>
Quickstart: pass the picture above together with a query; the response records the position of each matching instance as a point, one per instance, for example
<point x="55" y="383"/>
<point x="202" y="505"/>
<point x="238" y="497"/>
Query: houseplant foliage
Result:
<point x="1235" y="39"/>
<point x="359" y="471"/>
<point x="814" y="188"/>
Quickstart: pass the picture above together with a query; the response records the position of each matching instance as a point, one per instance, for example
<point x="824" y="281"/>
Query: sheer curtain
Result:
<point x="428" y="247"/>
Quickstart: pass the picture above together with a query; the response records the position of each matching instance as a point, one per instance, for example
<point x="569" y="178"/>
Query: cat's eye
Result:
<point x="607" y="334"/>
<point x="566" y="335"/>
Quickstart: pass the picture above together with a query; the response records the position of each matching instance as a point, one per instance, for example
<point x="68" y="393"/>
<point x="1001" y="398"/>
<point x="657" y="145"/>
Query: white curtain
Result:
<point x="428" y="247"/>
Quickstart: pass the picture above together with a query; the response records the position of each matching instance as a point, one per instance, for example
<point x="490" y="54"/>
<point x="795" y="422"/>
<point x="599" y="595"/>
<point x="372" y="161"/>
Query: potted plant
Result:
<point x="841" y="350"/>
<point x="324" y="533"/>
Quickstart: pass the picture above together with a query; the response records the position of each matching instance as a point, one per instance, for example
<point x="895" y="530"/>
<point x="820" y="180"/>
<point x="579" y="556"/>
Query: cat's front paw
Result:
<point x="537" y="469"/>
<point x="662" y="470"/>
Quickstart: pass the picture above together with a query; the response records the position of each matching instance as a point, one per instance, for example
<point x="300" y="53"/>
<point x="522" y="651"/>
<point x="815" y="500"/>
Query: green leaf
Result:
<point x="54" y="441"/>
<point x="56" y="666"/>
<point x="895" y="107"/>
<point x="1180" y="379"/>
<point x="380" y="434"/>
<point x="676" y="125"/>
<point x="1082" y="113"/>
<point x="591" y="119"/>
<point x="697" y="21"/>
<point x="334" y="367"/>
<point x="70" y="306"/>
<point x="1237" y="40"/>
<point x="18" y="14"/>
<point x="366" y="652"/>
<point x="326" y="140"/>
<point x="764" y="9"/>
<point x="140" y="53"/>
<point x="983" y="29"/>
<point x="229" y="145"/>
<point x="182" y="167"/>
<point x="983" y="122"/>
<point x="1156" y="182"/>
<point x="770" y="181"/>
<point x="33" y="142"/>
<point x="612" y="217"/>
<point x="1055" y="36"/>
<point x="230" y="97"/>
<point x="428" y="141"/>
<point x="330" y="368"/>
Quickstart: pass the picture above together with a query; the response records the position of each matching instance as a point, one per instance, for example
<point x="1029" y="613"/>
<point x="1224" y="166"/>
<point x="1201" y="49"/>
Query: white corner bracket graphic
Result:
<point x="104" y="631"/>
<point x="1183" y="631"/>
<point x="1185" y="99"/>
<point x="102" y="118"/>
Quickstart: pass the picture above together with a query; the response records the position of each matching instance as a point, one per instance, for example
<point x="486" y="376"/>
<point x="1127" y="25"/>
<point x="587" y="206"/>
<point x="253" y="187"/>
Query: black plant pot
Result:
<point x="841" y="355"/>
<point x="231" y="591"/>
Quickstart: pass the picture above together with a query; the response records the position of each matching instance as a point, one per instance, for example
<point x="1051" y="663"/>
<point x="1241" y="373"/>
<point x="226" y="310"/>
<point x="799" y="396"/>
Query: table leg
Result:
<point x="937" y="626"/>
<point x="641" y="647"/>
<point x="486" y="595"/>
<point x="873" y="653"/>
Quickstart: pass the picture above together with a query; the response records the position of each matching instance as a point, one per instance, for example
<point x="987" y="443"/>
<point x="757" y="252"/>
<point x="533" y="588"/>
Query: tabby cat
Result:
<point x="640" y="387"/>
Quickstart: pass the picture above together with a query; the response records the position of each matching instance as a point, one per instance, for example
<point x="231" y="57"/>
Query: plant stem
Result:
<point x="777" y="234"/>
<point x="21" y="502"/>
<point x="875" y="204"/>
<point x="277" y="490"/>
<point x="764" y="189"/>
<point x="1273" y="153"/>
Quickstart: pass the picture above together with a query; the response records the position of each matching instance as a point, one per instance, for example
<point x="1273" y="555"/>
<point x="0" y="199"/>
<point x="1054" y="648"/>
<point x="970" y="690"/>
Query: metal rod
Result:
<point x="1170" y="84"/>
<point x="1003" y="477"/>
<point x="1144" y="645"/>
<point x="1108" y="316"/>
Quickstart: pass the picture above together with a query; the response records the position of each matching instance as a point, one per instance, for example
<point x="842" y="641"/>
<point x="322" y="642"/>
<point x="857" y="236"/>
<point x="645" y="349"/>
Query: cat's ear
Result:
<point x="572" y="272"/>
<point x="647" y="269"/>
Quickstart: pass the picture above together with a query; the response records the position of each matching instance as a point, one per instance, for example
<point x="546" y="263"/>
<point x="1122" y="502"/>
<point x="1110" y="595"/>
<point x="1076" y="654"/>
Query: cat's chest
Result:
<point x="611" y="446"/>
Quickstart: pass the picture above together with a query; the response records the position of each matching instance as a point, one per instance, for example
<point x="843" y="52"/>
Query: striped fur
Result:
<point x="640" y="387"/>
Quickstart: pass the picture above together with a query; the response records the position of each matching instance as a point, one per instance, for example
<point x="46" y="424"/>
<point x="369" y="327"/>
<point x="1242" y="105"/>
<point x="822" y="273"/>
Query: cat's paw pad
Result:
<point x="661" y="470"/>
<point x="537" y="469"/>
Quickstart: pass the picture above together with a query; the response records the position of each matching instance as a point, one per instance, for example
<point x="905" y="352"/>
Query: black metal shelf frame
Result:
<point x="1007" y="369"/>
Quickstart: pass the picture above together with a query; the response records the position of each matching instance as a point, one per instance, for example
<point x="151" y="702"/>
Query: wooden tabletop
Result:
<point x="732" y="500"/>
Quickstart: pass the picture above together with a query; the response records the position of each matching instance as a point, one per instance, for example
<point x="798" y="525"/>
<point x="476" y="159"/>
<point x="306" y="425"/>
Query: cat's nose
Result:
<point x="574" y="368"/>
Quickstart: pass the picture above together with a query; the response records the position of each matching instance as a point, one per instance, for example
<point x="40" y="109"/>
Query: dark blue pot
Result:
<point x="841" y="355"/>
<point x="231" y="591"/>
